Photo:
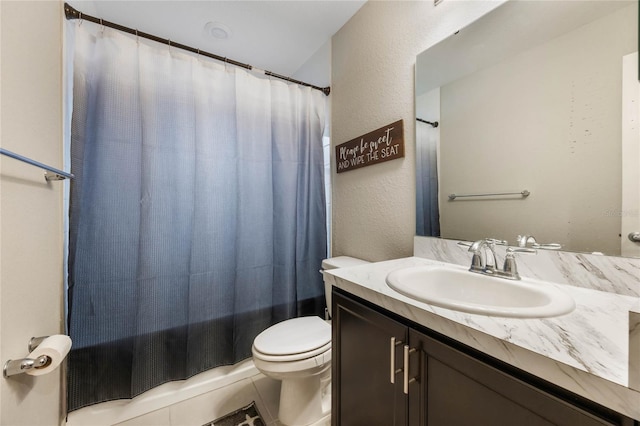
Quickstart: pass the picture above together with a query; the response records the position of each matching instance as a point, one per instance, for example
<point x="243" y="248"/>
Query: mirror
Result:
<point x="529" y="103"/>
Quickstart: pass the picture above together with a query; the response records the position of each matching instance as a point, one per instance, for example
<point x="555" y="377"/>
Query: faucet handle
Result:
<point x="548" y="246"/>
<point x="488" y="240"/>
<point x="497" y="242"/>
<point x="477" y="260"/>
<point x="512" y="250"/>
<point x="510" y="269"/>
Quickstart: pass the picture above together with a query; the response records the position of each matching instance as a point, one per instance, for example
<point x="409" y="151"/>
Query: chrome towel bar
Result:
<point x="51" y="172"/>
<point x="524" y="194"/>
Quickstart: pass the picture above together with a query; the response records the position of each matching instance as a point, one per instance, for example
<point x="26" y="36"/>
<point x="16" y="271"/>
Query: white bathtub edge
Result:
<point x="113" y="412"/>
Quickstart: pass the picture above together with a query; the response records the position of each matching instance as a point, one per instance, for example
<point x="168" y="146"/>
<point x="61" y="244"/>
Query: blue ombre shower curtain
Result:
<point x="197" y="216"/>
<point x="427" y="206"/>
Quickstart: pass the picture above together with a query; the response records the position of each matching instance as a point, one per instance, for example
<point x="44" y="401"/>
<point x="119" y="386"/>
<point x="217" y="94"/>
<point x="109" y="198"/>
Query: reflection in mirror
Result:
<point x="540" y="97"/>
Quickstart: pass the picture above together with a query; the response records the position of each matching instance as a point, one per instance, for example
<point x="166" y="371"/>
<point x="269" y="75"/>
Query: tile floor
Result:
<point x="209" y="406"/>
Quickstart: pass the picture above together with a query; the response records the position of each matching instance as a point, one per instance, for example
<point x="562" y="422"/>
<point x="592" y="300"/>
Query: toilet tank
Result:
<point x="336" y="263"/>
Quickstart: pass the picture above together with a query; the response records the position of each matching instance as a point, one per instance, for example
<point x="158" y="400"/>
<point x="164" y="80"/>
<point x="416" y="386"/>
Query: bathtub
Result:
<point x="113" y="412"/>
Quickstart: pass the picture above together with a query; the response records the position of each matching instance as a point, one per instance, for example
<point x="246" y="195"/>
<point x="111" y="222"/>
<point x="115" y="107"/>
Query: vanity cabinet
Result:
<point x="446" y="384"/>
<point x="364" y="393"/>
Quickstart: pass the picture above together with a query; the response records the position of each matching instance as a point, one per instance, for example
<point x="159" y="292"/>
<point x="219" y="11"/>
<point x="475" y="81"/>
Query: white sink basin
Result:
<point x="458" y="289"/>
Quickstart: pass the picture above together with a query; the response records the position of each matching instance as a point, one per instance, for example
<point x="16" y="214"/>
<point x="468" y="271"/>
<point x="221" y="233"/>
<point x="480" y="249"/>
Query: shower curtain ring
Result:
<point x="137" y="38"/>
<point x="102" y="24"/>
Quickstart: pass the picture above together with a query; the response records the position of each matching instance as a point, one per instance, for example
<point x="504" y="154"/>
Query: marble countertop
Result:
<point x="585" y="351"/>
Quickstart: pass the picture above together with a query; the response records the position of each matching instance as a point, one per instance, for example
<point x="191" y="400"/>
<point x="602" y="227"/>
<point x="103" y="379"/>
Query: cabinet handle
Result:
<point x="393" y="371"/>
<point x="407" y="352"/>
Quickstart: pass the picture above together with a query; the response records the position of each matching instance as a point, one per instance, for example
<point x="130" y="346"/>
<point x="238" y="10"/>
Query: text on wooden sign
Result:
<point x="383" y="144"/>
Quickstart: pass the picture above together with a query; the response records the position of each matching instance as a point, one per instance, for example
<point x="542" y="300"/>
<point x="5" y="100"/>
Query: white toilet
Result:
<point x="298" y="352"/>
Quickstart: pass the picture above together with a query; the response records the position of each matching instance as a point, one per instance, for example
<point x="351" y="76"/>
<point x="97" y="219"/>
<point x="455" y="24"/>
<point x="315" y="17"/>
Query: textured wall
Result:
<point x="373" y="61"/>
<point x="31" y="209"/>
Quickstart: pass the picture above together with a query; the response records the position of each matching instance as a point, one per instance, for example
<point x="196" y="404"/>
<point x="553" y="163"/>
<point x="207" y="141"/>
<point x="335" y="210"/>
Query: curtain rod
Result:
<point x="432" y="123"/>
<point x="71" y="13"/>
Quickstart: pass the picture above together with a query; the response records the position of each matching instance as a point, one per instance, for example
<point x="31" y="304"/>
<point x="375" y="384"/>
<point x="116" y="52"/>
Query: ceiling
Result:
<point x="279" y="36"/>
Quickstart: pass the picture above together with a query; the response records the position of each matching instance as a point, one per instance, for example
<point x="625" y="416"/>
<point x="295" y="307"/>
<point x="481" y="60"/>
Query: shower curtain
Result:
<point x="427" y="206"/>
<point x="197" y="216"/>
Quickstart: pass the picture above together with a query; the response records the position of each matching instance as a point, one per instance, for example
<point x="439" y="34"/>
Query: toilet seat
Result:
<point x="291" y="357"/>
<point x="292" y="340"/>
<point x="306" y="366"/>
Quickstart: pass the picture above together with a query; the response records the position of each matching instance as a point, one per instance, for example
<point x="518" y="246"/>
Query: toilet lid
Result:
<point x="293" y="336"/>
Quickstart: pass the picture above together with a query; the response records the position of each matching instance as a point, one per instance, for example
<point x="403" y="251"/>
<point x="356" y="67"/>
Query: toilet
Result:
<point x="298" y="352"/>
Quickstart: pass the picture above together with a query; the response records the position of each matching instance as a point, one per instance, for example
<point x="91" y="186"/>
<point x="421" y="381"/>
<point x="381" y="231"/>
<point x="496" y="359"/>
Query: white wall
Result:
<point x="317" y="69"/>
<point x="31" y="210"/>
<point x="548" y="122"/>
<point x="373" y="59"/>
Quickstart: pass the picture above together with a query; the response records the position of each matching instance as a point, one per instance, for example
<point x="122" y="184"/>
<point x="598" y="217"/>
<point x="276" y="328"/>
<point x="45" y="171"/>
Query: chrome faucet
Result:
<point x="484" y="256"/>
<point x="530" y="241"/>
<point x="484" y="259"/>
<point x="526" y="240"/>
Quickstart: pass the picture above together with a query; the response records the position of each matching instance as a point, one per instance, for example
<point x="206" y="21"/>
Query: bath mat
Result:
<point x="245" y="416"/>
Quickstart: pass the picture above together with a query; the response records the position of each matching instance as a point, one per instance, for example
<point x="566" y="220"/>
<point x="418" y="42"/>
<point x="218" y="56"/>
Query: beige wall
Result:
<point x="31" y="236"/>
<point x="373" y="59"/>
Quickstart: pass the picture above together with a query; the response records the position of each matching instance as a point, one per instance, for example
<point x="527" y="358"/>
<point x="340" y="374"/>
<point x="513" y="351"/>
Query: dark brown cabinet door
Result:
<point x="362" y="392"/>
<point x="455" y="389"/>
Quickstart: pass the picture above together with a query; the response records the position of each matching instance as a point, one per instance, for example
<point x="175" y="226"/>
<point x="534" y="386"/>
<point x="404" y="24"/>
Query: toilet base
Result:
<point x="301" y="400"/>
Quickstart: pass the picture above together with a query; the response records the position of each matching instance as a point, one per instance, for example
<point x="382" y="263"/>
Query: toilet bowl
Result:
<point x="298" y="352"/>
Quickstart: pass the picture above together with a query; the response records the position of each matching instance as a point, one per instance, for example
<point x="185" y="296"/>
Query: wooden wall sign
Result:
<point x="383" y="144"/>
